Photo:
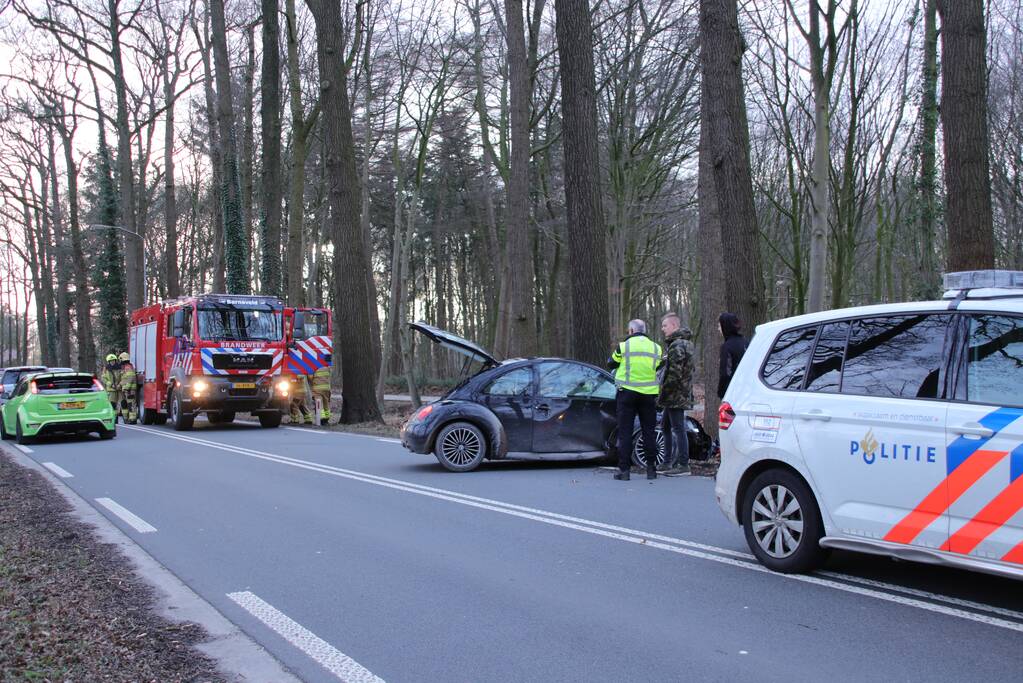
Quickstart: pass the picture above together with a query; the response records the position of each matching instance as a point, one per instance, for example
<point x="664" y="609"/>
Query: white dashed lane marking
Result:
<point x="323" y="653"/>
<point x="128" y="517"/>
<point x="23" y="449"/>
<point x="58" y="470"/>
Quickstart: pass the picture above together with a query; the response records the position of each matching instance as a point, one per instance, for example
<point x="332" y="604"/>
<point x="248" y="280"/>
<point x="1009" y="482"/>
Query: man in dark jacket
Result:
<point x="676" y="395"/>
<point x="731" y="350"/>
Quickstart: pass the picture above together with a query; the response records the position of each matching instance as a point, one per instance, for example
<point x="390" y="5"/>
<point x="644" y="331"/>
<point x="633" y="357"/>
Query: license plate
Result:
<point x="71" y="405"/>
<point x="244" y="385"/>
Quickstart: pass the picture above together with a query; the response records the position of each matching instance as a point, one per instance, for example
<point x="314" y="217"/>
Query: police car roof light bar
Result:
<point x="983" y="279"/>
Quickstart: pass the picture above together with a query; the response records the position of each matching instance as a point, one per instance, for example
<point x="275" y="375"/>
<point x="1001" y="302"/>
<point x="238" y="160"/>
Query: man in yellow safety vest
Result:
<point x="635" y="362"/>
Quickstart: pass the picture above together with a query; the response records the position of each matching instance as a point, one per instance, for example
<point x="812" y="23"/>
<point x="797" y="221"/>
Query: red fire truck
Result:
<point x="221" y="354"/>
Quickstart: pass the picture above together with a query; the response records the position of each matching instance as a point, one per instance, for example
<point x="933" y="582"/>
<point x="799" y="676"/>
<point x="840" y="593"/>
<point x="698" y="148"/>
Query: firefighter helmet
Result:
<point x="124" y="357"/>
<point x="111" y="357"/>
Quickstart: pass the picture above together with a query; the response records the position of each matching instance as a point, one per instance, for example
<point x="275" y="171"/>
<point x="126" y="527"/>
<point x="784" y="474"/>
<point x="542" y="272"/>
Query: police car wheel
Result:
<point x="782" y="522"/>
<point x="639" y="454"/>
<point x="460" y="447"/>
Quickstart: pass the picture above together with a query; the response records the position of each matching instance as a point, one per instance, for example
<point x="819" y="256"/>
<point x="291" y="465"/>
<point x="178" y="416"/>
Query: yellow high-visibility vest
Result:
<point x="638" y="357"/>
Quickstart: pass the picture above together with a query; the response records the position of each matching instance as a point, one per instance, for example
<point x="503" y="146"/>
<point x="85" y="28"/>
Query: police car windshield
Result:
<point x="236" y="323"/>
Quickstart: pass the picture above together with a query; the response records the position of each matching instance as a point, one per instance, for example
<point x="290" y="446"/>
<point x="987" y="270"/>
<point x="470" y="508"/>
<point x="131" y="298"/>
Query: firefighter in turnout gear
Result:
<point x="129" y="391"/>
<point x="321" y="389"/>
<point x="298" y="411"/>
<point x="111" y="379"/>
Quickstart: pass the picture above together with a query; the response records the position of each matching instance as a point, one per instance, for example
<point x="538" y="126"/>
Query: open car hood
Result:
<point x="455" y="343"/>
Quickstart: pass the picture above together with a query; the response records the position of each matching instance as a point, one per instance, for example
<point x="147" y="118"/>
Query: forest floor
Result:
<point x="72" y="607"/>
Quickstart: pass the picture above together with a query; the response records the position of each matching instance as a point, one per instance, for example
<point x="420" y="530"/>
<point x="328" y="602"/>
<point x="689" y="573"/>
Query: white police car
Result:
<point x="894" y="429"/>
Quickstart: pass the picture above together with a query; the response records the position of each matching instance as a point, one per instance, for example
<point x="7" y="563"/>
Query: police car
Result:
<point x="894" y="429"/>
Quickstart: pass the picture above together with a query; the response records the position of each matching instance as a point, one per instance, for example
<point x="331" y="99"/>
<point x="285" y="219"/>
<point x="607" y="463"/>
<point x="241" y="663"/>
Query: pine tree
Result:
<point x="101" y="196"/>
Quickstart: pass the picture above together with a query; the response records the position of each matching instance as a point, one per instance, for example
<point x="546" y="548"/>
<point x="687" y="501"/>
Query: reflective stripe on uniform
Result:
<point x="638" y="376"/>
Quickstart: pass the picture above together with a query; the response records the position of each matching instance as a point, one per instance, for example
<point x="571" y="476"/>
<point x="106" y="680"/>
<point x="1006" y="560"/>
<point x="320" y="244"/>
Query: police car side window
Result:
<point x="895" y="356"/>
<point x="514" y="383"/>
<point x="825" y="374"/>
<point x="785" y="366"/>
<point x="995" y="360"/>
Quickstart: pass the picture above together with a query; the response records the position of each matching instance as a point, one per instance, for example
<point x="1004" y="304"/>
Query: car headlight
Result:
<point x="283" y="387"/>
<point x="199" y="387"/>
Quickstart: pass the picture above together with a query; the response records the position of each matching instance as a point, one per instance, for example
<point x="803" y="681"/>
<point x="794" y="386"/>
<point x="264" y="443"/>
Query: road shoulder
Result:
<point x="168" y="609"/>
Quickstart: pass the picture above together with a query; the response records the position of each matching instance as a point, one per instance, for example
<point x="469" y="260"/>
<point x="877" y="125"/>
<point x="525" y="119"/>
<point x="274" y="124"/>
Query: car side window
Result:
<point x="896" y="356"/>
<point x="785" y="366"/>
<point x="21" y="388"/>
<point x="572" y="380"/>
<point x="994" y="370"/>
<point x="514" y="383"/>
<point x="825" y="372"/>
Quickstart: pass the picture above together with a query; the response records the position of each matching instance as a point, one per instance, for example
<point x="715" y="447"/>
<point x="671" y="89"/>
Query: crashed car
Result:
<point x="523" y="409"/>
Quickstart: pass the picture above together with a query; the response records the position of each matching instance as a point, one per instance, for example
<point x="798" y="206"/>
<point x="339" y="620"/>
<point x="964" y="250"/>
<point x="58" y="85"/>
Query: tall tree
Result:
<point x="728" y="145"/>
<point x="517" y="317"/>
<point x="235" y="234"/>
<point x="270" y="131"/>
<point x="351" y="254"/>
<point x="586" y="231"/>
<point x="927" y="270"/>
<point x="964" y="124"/>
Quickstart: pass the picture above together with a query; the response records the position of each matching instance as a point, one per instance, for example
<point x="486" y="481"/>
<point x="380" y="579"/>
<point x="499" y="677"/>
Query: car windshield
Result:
<point x="65" y="384"/>
<point x="233" y="323"/>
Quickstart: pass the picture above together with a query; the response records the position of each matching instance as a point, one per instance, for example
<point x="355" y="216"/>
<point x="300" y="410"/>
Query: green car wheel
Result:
<point x="20" y="436"/>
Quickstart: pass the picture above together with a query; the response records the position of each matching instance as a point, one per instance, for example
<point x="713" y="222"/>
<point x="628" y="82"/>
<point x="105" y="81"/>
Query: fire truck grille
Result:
<point x="242" y="361"/>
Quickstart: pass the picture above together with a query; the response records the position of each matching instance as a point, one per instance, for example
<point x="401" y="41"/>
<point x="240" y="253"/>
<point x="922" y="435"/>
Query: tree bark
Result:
<point x="216" y="162"/>
<point x="170" y="206"/>
<point x="247" y="158"/>
<point x="927" y="278"/>
<point x="63" y="299"/>
<point x="270" y="130"/>
<point x="353" y="337"/>
<point x="235" y="237"/>
<point x="712" y="271"/>
<point x="964" y="123"/>
<point x="518" y="318"/>
<point x="728" y="138"/>
<point x="591" y="322"/>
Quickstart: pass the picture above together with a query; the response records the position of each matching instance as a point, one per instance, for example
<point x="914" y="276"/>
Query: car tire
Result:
<point x="460" y="447"/>
<point x="107" y="434"/>
<point x="782" y="522"/>
<point x="4" y="436"/>
<point x="639" y="456"/>
<point x="178" y="419"/>
<point x="20" y="437"/>
<point x="269" y="420"/>
<point x="148" y="416"/>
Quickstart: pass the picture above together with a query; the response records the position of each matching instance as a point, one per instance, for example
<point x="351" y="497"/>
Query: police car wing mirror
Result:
<point x="178" y="323"/>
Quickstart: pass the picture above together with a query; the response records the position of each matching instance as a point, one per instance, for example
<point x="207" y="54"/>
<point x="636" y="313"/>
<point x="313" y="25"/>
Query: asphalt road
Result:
<point x="349" y="558"/>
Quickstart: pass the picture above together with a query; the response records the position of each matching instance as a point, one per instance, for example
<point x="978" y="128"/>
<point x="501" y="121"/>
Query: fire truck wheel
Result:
<point x="270" y="420"/>
<point x="178" y="419"/>
<point x="148" y="416"/>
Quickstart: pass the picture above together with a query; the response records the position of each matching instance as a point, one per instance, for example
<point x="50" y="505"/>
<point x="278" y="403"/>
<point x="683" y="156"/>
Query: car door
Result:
<point x="870" y="426"/>
<point x="985" y="433"/>
<point x="572" y="408"/>
<point x="509" y="396"/>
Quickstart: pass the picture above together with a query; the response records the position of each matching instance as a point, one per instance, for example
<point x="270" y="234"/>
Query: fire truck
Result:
<point x="221" y="354"/>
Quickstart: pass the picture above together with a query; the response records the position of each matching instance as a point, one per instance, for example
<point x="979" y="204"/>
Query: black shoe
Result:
<point x="651" y="473"/>
<point x="622" y="476"/>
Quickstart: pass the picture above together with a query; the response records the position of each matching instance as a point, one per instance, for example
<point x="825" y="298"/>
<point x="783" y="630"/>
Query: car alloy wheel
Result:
<point x="639" y="454"/>
<point x="777" y="521"/>
<point x="460" y="447"/>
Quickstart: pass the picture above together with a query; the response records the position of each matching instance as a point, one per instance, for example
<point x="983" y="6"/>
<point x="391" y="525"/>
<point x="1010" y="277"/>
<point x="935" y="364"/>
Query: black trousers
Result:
<point x="630" y="404"/>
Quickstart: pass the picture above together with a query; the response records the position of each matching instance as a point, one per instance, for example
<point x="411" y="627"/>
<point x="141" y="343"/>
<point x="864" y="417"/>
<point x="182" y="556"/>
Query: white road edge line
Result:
<point x="23" y="449"/>
<point x="323" y="653"/>
<point x="127" y="516"/>
<point x="58" y="470"/>
<point x="680" y="546"/>
<point x="390" y="440"/>
<point x="306" y="430"/>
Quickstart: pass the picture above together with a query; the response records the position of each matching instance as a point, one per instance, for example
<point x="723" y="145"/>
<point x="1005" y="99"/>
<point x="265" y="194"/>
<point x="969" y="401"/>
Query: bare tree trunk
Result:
<point x="728" y="134"/>
<point x="270" y="130"/>
<point x="591" y="323"/>
<point x="351" y="257"/>
<point x="248" y="154"/>
<point x="820" y="186"/>
<point x="63" y="258"/>
<point x="216" y="162"/>
<point x="965" y="130"/>
<point x="235" y="236"/>
<point x="518" y="317"/>
<point x="170" y="206"/>
<point x="927" y="279"/>
<point x="712" y="271"/>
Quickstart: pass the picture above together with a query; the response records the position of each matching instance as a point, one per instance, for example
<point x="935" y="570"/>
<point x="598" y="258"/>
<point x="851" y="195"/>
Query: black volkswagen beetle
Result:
<point x="521" y="409"/>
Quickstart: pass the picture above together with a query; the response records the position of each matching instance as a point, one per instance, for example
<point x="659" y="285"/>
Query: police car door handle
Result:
<point x="973" y="429"/>
<point x="815" y="414"/>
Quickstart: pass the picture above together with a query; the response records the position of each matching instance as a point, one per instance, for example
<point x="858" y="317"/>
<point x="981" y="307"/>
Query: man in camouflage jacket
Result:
<point x="676" y="395"/>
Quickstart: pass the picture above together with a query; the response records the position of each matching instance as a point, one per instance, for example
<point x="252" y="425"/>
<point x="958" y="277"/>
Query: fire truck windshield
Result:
<point x="233" y="323"/>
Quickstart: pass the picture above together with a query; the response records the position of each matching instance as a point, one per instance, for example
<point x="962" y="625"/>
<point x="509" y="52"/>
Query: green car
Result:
<point x="57" y="403"/>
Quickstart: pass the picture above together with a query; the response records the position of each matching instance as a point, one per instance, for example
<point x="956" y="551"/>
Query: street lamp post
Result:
<point x="101" y="226"/>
